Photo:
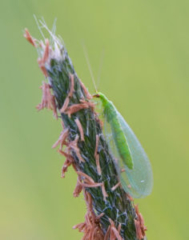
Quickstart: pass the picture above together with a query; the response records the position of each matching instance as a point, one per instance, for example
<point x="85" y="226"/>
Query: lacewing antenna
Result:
<point x="89" y="65"/>
<point x="100" y="67"/>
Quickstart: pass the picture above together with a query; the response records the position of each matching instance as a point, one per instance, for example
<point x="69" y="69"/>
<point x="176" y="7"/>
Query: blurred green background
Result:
<point x="145" y="73"/>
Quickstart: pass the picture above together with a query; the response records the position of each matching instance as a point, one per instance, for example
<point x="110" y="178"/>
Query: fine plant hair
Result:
<point x="111" y="213"/>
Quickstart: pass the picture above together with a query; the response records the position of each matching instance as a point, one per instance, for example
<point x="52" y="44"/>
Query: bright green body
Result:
<point x="111" y="116"/>
<point x="137" y="177"/>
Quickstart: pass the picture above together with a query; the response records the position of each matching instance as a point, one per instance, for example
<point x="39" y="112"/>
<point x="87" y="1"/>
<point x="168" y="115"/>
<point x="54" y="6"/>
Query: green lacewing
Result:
<point x="129" y="155"/>
<point x="136" y="177"/>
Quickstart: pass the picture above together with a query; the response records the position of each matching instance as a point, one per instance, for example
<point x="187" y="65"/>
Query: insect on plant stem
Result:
<point x="110" y="214"/>
<point x="133" y="167"/>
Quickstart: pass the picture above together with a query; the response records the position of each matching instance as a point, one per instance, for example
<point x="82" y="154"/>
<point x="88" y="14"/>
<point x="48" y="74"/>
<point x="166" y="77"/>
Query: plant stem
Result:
<point x="112" y="205"/>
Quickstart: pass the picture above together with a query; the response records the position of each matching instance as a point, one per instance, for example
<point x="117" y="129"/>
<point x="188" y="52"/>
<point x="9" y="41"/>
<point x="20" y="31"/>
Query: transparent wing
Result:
<point x="138" y="182"/>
